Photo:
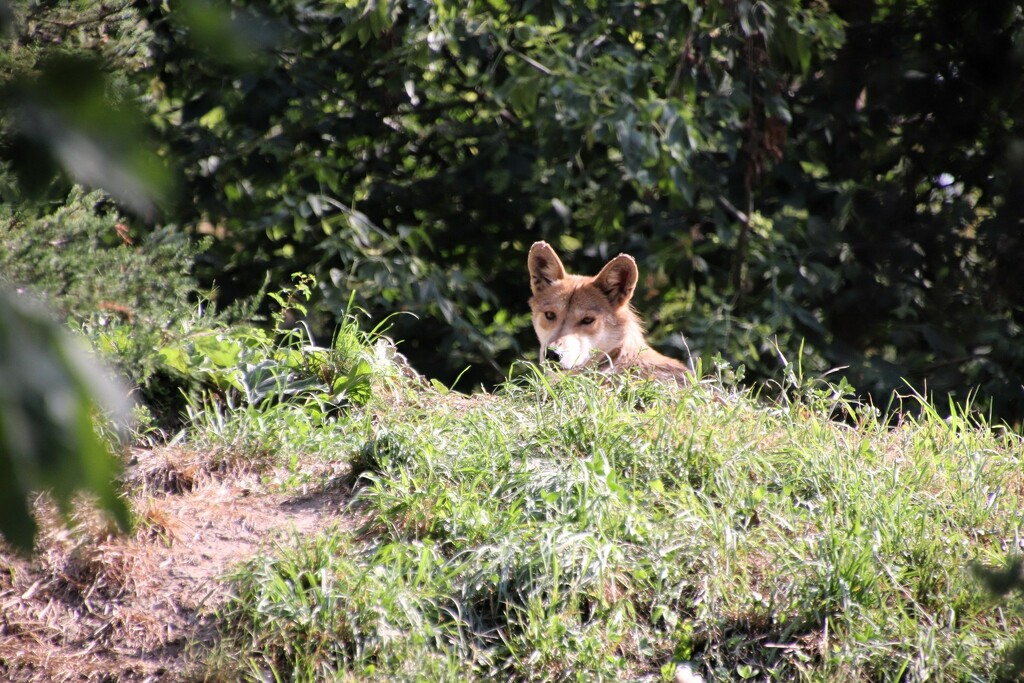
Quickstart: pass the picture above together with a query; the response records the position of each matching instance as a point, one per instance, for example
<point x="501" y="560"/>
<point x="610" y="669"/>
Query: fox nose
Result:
<point x="552" y="355"/>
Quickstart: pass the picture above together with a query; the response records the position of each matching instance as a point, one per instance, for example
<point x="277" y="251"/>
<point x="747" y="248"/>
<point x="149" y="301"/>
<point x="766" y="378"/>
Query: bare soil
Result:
<point x="94" y="605"/>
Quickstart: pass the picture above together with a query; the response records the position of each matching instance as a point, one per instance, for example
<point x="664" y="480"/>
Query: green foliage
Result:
<point x="247" y="362"/>
<point x="87" y="263"/>
<point x="452" y="127"/>
<point x="203" y="358"/>
<point x="919" y="191"/>
<point x="128" y="293"/>
<point x="67" y="115"/>
<point x="52" y="393"/>
<point x="836" y="181"/>
<point x="84" y="262"/>
<point x="750" y="155"/>
<point x="556" y="531"/>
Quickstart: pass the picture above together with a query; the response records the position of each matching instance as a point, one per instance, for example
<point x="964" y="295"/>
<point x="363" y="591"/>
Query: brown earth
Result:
<point x="94" y="605"/>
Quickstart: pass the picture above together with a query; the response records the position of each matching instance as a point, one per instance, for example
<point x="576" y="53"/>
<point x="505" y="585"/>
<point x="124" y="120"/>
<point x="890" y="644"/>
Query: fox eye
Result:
<point x="587" y="321"/>
<point x="549" y="315"/>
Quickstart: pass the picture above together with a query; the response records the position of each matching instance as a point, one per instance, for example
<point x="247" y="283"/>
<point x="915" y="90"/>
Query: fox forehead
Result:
<point x="575" y="293"/>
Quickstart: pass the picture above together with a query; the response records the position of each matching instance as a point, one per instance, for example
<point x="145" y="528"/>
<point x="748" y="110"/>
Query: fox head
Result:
<point x="580" y="318"/>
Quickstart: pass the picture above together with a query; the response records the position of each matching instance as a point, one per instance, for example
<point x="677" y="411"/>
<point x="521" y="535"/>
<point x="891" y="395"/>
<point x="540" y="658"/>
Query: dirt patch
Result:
<point x="94" y="606"/>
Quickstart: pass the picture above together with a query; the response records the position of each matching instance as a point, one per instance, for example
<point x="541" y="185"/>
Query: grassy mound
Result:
<point x="324" y="513"/>
<point x="585" y="530"/>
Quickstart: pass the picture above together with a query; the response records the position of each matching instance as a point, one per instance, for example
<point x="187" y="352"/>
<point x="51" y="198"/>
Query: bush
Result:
<point x="126" y="291"/>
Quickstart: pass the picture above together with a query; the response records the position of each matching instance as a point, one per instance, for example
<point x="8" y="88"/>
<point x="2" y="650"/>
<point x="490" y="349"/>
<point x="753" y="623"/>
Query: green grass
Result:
<point x="582" y="529"/>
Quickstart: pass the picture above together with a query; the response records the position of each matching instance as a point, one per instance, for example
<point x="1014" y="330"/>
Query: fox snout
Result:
<point x="570" y="351"/>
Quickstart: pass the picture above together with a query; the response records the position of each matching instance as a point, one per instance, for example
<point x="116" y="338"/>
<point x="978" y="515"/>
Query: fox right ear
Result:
<point x="618" y="279"/>
<point x="545" y="267"/>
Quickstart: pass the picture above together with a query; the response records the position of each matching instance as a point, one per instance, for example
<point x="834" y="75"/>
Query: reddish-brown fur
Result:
<point x="587" y="321"/>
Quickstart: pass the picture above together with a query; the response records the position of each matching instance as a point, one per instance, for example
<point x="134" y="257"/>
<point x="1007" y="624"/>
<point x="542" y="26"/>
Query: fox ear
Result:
<point x="618" y="279"/>
<point x="545" y="267"/>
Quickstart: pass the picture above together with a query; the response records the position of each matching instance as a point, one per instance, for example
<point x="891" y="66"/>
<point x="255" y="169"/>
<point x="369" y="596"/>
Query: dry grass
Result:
<point x="94" y="606"/>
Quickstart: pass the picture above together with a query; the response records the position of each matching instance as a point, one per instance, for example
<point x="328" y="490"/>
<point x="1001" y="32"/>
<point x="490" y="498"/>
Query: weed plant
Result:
<point x="587" y="528"/>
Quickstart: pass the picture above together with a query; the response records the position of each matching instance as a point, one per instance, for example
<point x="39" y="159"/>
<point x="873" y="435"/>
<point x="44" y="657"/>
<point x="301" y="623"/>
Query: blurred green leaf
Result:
<point x="51" y="394"/>
<point x="64" y="111"/>
<point x="231" y="35"/>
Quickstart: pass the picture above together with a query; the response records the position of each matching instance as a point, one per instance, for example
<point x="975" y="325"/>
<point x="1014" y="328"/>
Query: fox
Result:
<point x="587" y="321"/>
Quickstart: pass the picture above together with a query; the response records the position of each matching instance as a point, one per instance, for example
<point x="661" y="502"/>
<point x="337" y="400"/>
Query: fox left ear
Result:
<point x="618" y="279"/>
<point x="545" y="267"/>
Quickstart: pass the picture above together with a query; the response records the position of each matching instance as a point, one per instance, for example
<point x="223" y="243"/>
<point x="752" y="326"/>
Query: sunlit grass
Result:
<point x="588" y="528"/>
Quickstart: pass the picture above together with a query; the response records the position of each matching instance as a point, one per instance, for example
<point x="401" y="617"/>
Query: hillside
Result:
<point x="568" y="528"/>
